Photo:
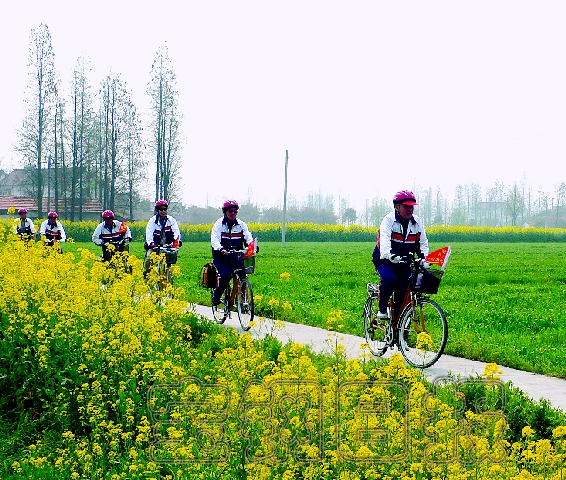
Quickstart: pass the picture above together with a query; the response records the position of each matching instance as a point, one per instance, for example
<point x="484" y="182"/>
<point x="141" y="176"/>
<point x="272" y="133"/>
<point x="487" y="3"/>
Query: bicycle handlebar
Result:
<point x="119" y="242"/>
<point x="168" y="247"/>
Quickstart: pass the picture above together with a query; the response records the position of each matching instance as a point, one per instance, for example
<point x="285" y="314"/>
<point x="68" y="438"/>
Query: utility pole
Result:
<point x="285" y="201"/>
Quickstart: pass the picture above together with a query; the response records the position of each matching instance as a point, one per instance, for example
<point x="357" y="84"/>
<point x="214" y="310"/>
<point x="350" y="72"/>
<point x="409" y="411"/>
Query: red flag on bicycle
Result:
<point x="250" y="252"/>
<point x="123" y="226"/>
<point x="439" y="257"/>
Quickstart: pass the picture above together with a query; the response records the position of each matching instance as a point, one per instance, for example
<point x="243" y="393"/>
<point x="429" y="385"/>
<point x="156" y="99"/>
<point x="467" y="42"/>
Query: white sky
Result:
<point x="367" y="96"/>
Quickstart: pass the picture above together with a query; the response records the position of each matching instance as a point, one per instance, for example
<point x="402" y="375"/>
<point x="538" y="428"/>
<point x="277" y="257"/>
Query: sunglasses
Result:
<point x="162" y="209"/>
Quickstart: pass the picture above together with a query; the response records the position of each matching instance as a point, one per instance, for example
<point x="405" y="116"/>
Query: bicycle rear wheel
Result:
<point x="245" y="304"/>
<point x="221" y="311"/>
<point x="375" y="329"/>
<point x="423" y="333"/>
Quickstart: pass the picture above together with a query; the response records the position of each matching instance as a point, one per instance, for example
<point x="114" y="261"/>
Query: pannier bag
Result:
<point x="428" y="282"/>
<point x="209" y="276"/>
<point x="171" y="257"/>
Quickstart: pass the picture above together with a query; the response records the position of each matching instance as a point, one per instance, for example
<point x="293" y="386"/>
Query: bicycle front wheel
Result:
<point x="221" y="311"/>
<point x="245" y="304"/>
<point x="423" y="333"/>
<point x="169" y="276"/>
<point x="375" y="329"/>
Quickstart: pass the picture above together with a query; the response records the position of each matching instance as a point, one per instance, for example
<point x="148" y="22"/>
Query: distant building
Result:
<point x="91" y="208"/>
<point x="15" y="183"/>
<point x="16" y="190"/>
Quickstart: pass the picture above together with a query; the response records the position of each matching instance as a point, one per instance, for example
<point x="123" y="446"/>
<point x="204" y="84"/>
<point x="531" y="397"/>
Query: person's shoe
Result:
<point x="376" y="321"/>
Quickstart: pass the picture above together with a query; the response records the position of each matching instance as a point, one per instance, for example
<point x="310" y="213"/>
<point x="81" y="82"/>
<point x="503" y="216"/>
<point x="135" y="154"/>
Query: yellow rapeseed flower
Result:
<point x="492" y="371"/>
<point x="285" y="276"/>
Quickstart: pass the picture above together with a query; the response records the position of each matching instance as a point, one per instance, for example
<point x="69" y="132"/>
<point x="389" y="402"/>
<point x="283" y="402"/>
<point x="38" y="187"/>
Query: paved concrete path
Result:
<point x="534" y="385"/>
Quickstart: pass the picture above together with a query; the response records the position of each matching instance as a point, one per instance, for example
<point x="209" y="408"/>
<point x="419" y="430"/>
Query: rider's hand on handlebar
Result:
<point x="396" y="259"/>
<point x="423" y="263"/>
<point x="152" y="245"/>
<point x="224" y="252"/>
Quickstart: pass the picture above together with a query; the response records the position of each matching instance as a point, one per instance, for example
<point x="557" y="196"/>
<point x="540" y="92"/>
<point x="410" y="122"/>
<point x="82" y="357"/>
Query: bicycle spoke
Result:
<point x="375" y="329"/>
<point x="221" y="311"/>
<point x="423" y="333"/>
<point x="245" y="303"/>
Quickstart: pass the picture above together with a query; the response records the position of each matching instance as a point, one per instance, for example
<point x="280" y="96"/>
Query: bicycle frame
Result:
<point x="240" y="294"/>
<point x="163" y="266"/>
<point x="234" y="257"/>
<point x="418" y="328"/>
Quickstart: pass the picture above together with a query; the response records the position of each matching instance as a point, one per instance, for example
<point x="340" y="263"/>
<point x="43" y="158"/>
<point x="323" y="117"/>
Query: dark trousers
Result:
<point x="394" y="280"/>
<point x="225" y="267"/>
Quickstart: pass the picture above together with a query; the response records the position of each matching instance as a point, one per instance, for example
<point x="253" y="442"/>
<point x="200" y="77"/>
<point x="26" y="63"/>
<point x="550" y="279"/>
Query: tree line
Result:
<point x="500" y="205"/>
<point x="497" y="206"/>
<point x="79" y="141"/>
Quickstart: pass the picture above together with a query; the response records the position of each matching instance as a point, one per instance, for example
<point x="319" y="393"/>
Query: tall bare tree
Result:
<point x="81" y="130"/>
<point x="164" y="128"/>
<point x="515" y="203"/>
<point x="34" y="142"/>
<point x="121" y="146"/>
<point x="135" y="163"/>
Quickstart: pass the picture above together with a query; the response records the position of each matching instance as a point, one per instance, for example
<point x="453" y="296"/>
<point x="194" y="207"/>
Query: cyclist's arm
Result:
<point x="62" y="232"/>
<point x="175" y="228"/>
<point x="423" y="245"/>
<point x="149" y="231"/>
<point x="96" y="235"/>
<point x="385" y="237"/>
<point x="248" y="237"/>
<point x="216" y="235"/>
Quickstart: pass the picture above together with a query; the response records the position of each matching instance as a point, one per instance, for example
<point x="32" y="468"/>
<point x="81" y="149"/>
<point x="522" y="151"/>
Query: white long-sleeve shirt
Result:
<point x="394" y="240"/>
<point x="224" y="236"/>
<point x="104" y="233"/>
<point x="171" y="231"/>
<point x="51" y="231"/>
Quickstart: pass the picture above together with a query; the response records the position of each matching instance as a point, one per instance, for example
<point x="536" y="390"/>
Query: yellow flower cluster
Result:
<point x="118" y="373"/>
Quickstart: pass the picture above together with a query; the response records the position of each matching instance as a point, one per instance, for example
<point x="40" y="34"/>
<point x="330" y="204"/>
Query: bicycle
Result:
<point x="27" y="237"/>
<point x="419" y="331"/>
<point x="117" y="254"/>
<point x="241" y="295"/>
<point x="166" y="255"/>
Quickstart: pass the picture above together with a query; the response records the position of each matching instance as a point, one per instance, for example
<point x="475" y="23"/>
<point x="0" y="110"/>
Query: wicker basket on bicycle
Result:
<point x="428" y="281"/>
<point x="249" y="263"/>
<point x="249" y="257"/>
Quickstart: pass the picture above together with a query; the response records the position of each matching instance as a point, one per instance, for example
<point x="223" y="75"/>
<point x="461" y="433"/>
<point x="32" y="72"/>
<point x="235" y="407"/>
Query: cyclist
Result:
<point x="25" y="228"/>
<point x="227" y="233"/>
<point x="110" y="232"/>
<point x="52" y="230"/>
<point x="400" y="234"/>
<point x="161" y="230"/>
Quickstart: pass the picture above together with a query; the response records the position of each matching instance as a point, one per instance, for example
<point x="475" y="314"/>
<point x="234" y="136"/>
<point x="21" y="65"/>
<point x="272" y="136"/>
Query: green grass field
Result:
<point x="504" y="301"/>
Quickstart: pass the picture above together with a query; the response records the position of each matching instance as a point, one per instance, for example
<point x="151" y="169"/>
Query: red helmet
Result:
<point x="23" y="210"/>
<point x="161" y="203"/>
<point x="52" y="215"/>
<point x="405" y="196"/>
<point x="108" y="214"/>
<point x="228" y="204"/>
